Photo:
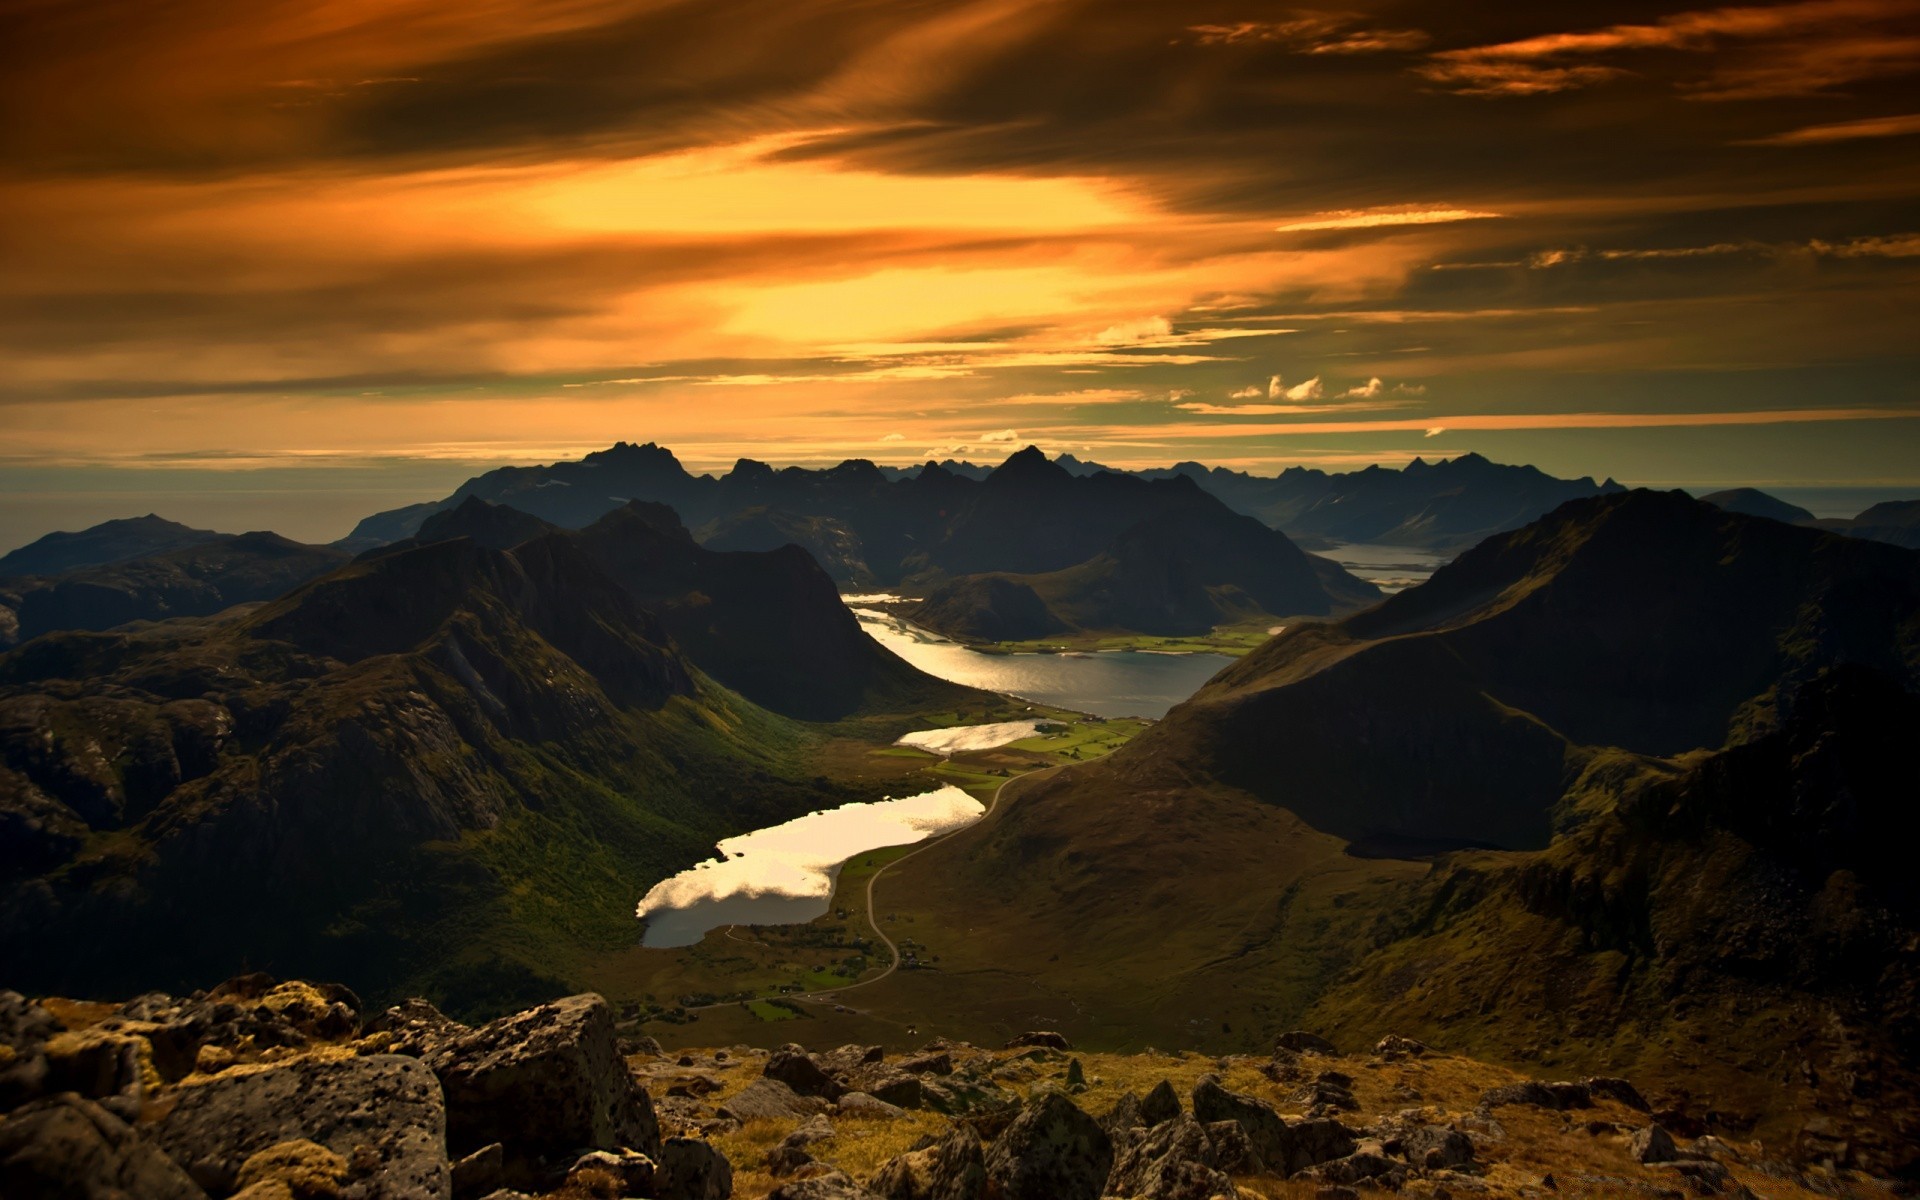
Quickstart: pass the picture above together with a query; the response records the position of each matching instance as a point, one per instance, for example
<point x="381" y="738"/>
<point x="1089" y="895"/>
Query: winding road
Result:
<point x="873" y="918"/>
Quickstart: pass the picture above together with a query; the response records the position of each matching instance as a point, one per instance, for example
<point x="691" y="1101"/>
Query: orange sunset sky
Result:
<point x="320" y="257"/>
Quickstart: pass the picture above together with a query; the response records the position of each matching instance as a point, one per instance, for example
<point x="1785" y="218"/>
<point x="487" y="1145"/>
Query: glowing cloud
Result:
<point x="1371" y="218"/>
<point x="1842" y="131"/>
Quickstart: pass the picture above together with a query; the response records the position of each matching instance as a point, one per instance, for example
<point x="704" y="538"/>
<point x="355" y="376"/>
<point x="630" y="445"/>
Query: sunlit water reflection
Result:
<point x="784" y="874"/>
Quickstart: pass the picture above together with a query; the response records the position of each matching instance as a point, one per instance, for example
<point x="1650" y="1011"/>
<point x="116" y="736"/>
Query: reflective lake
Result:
<point x="1117" y="683"/>
<point x="784" y="874"/>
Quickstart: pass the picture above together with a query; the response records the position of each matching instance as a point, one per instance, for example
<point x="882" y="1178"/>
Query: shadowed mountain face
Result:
<point x="1463" y="708"/>
<point x="1662" y="906"/>
<point x="1755" y="503"/>
<point x="107" y="542"/>
<point x="198" y="580"/>
<point x="361" y="779"/>
<point x="834" y="545"/>
<point x="1026" y="516"/>
<point x="1180" y="574"/>
<point x="1758" y="907"/>
<point x="768" y="624"/>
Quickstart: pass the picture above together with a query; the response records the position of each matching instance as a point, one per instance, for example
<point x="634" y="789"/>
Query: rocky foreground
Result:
<point x="260" y="1090"/>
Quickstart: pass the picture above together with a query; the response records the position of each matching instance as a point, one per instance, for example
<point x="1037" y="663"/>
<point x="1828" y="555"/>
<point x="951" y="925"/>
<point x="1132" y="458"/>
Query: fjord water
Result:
<point x="1390" y="568"/>
<point x="784" y="874"/>
<point x="1114" y="683"/>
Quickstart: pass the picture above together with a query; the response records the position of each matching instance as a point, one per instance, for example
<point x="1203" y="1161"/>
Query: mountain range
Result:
<point x="886" y="525"/>
<point x="446" y="763"/>
<point x="1616" y="790"/>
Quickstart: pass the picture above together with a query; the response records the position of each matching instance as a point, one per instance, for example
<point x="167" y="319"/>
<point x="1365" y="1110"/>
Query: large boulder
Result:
<point x="547" y="1084"/>
<point x="1652" y="1145"/>
<point x="1435" y="1147"/>
<point x="1257" y="1119"/>
<point x="1173" y="1162"/>
<point x="383" y="1114"/>
<point x="1161" y="1104"/>
<point x="954" y="1168"/>
<point x="1285" y="1149"/>
<point x="692" y="1169"/>
<point x="769" y="1100"/>
<point x="1051" y="1151"/>
<point x="67" y="1148"/>
<point x="802" y="1072"/>
<point x="886" y="1083"/>
<point x="791" y="1154"/>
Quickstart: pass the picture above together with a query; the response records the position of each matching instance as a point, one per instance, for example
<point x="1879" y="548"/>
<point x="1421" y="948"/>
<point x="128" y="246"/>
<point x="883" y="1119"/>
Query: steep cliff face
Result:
<point x="443" y="755"/>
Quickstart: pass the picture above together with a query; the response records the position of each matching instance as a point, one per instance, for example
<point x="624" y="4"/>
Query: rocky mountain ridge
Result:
<point x="262" y="1090"/>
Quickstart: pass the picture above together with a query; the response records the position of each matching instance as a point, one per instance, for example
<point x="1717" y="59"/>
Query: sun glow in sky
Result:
<point x="407" y="239"/>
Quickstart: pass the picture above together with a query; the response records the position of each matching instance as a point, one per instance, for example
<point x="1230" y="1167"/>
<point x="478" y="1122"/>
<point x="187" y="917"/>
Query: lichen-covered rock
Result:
<point x="1123" y="1116"/>
<point x="1173" y="1162"/>
<point x="1232" y="1150"/>
<point x="1652" y="1145"/>
<point x="791" y="1153"/>
<point x="383" y="1113"/>
<point x="954" y="1168"/>
<point x="307" y="1170"/>
<point x="481" y="1173"/>
<point x="546" y="1083"/>
<point x="1256" y="1118"/>
<point x="887" y="1084"/>
<point x="1285" y="1149"/>
<point x="68" y="1147"/>
<point x="97" y="1064"/>
<point x="769" y="1100"/>
<point x="1395" y="1046"/>
<point x="1361" y="1167"/>
<point x="938" y="1062"/>
<point x="1161" y="1104"/>
<point x="862" y="1104"/>
<point x="415" y="1027"/>
<point x="692" y="1169"/>
<point x="802" y="1072"/>
<point x="1051" y="1151"/>
<point x="1435" y="1147"/>
<point x="632" y="1171"/>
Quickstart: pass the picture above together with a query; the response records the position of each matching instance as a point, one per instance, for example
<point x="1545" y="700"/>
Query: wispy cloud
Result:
<point x="1313" y="33"/>
<point x="1371" y="218"/>
<point x="1805" y="48"/>
<point x="1841" y="131"/>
